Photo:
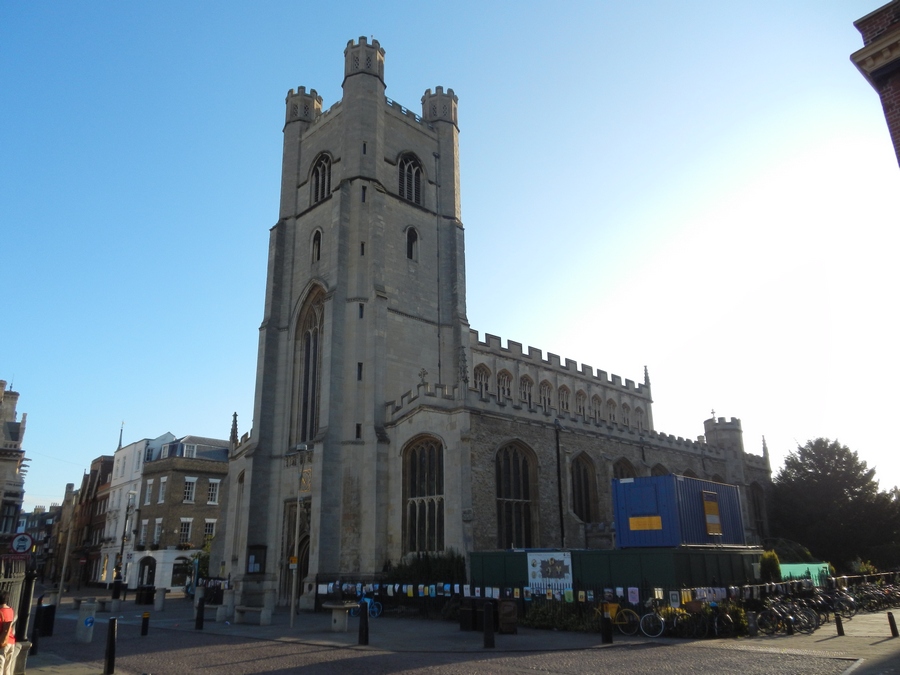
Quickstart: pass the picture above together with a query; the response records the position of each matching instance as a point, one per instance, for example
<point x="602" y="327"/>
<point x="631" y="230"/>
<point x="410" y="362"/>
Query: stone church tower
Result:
<point x="383" y="426"/>
<point x="365" y="295"/>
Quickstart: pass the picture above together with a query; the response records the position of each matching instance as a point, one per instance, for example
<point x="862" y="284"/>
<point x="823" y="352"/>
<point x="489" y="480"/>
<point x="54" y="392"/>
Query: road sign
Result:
<point x="89" y="621"/>
<point x="21" y="543"/>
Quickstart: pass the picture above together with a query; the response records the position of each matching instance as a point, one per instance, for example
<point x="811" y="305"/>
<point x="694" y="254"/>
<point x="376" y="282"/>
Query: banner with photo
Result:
<point x="551" y="570"/>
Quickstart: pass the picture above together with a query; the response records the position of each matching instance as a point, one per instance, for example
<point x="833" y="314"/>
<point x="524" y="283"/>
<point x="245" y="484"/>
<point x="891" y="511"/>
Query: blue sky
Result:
<point x="702" y="188"/>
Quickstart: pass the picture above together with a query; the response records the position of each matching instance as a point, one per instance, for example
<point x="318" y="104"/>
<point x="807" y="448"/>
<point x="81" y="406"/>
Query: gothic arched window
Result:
<point x="526" y="387"/>
<point x="584" y="489"/>
<point x="410" y="179"/>
<point x="581" y="403"/>
<point x="564" y="399"/>
<point x="423" y="486"/>
<point x="639" y="419"/>
<point x="307" y="364"/>
<point x="516" y="471"/>
<point x="597" y="408"/>
<point x="659" y="470"/>
<point x="687" y="473"/>
<point x="321" y="179"/>
<point x="546" y="393"/>
<point x="626" y="415"/>
<point x="504" y="385"/>
<point x="611" y="410"/>
<point x="482" y="379"/>
<point x="317" y="246"/>
<point x="624" y="469"/>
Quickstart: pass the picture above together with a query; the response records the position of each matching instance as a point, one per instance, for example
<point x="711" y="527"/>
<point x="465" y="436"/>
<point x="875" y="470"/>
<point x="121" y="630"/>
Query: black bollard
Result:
<point x="790" y="625"/>
<point x="839" y="622"/>
<point x="893" y="625"/>
<point x="24" y="611"/>
<point x="201" y="610"/>
<point x="363" y="622"/>
<point x="606" y="632"/>
<point x="109" y="667"/>
<point x="488" y="624"/>
<point x="35" y="633"/>
<point x="145" y="623"/>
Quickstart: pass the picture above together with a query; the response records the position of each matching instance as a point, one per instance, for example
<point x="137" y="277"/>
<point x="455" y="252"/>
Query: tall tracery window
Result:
<point x="639" y="419"/>
<point x="423" y="482"/>
<point x="581" y="403"/>
<point x="564" y="399"/>
<point x="410" y="179"/>
<point x="526" y="387"/>
<point x="546" y="393"/>
<point x="482" y="380"/>
<point x="626" y="415"/>
<point x="659" y="470"/>
<point x="624" y="469"/>
<point x="516" y="476"/>
<point x="504" y="385"/>
<point x="321" y="179"/>
<point x="584" y="489"/>
<point x="307" y="364"/>
<point x="611" y="410"/>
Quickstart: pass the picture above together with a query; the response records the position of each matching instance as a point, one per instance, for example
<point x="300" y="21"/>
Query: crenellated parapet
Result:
<point x="440" y="106"/>
<point x="406" y="113"/>
<point x="425" y="394"/>
<point x="302" y="106"/>
<point x="535" y="357"/>
<point x="364" y="58"/>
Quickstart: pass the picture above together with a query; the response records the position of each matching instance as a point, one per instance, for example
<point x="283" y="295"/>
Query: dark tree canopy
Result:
<point x="827" y="498"/>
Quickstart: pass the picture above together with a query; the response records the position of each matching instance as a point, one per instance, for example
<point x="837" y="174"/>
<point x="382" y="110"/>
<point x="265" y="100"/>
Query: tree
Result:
<point x="827" y="498"/>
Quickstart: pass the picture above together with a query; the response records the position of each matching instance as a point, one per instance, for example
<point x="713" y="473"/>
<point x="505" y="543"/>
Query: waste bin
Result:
<point x="467" y="614"/>
<point x="479" y="615"/>
<point x="507" y="617"/>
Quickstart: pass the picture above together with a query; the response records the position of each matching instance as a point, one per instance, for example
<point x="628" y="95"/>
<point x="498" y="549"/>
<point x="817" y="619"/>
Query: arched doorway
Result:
<point x="181" y="572"/>
<point x="147" y="571"/>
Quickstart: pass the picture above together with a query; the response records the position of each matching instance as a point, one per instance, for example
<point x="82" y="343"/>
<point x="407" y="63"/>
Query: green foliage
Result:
<point x="448" y="567"/>
<point x="203" y="556"/>
<point x="828" y="499"/>
<point x="769" y="567"/>
<point x="863" y="567"/>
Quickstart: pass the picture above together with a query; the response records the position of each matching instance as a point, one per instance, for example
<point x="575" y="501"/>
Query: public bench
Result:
<point x="265" y="615"/>
<point x="76" y="602"/>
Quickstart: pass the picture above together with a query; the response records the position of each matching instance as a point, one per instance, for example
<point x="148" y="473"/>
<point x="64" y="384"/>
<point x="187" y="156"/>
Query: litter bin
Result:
<point x="466" y="614"/>
<point x="507" y="617"/>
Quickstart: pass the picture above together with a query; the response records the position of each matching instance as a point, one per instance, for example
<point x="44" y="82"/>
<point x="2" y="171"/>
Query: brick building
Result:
<point x="178" y="507"/>
<point x="879" y="61"/>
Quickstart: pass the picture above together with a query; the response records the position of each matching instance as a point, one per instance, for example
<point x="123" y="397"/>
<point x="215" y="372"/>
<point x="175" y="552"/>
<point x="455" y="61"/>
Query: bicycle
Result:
<point x="652" y="623"/>
<point x="626" y="620"/>
<point x="375" y="608"/>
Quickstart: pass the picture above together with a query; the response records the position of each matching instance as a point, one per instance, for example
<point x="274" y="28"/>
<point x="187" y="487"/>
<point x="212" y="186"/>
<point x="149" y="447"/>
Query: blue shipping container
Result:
<point x="676" y="511"/>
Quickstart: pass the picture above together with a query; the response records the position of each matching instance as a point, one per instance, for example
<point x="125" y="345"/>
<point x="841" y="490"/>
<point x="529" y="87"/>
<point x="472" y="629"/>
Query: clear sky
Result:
<point x="704" y="188"/>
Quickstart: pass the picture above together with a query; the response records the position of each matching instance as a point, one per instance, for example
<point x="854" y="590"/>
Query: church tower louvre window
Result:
<point x="410" y="179"/>
<point x="321" y="179"/>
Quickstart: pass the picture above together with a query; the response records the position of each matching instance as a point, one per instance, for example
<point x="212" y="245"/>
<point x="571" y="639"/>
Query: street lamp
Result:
<point x="301" y="450"/>
<point x="117" y="579"/>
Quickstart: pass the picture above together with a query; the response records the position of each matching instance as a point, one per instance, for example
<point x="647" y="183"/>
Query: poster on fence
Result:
<point x="552" y="570"/>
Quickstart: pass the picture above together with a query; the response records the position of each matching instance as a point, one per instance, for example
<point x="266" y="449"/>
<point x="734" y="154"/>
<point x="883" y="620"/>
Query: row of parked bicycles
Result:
<point x="801" y="613"/>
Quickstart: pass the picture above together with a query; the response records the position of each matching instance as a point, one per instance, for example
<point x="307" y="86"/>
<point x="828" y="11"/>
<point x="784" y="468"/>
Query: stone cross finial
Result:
<point x="422" y="374"/>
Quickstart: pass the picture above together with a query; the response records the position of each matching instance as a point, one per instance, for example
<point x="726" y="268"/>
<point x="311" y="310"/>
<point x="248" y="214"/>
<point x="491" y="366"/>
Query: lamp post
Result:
<point x="117" y="579"/>
<point x="300" y="450"/>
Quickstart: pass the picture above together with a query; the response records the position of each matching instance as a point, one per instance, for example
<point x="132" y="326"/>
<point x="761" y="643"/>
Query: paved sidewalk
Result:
<point x="867" y="642"/>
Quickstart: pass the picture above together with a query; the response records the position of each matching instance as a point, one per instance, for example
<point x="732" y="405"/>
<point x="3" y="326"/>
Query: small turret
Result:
<point x="440" y="106"/>
<point x="302" y="106"/>
<point x="363" y="58"/>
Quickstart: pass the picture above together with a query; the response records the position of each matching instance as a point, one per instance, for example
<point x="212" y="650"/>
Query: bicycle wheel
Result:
<point x="724" y="626"/>
<point x="375" y="609"/>
<point x="354" y="611"/>
<point x="652" y="625"/>
<point x="628" y="622"/>
<point x="767" y="622"/>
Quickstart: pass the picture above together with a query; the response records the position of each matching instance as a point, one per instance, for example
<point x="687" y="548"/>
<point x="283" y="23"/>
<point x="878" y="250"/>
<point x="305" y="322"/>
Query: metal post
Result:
<point x="839" y="622"/>
<point x="62" y="578"/>
<point x="36" y="631"/>
<point x="145" y="623"/>
<point x="109" y="667"/>
<point x="893" y="625"/>
<point x="488" y="624"/>
<point x="24" y="611"/>
<point x="201" y="610"/>
<point x="363" y="622"/>
<point x="606" y="633"/>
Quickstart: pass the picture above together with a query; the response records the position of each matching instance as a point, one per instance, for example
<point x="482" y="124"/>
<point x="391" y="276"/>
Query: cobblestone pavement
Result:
<point x="397" y="645"/>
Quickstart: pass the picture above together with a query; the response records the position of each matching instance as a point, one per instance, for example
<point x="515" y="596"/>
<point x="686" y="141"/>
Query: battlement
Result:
<point x="406" y="112"/>
<point x="302" y="106"/>
<point x="363" y="58"/>
<point x="440" y="106"/>
<point x="713" y="425"/>
<point x="425" y="393"/>
<point x="492" y="344"/>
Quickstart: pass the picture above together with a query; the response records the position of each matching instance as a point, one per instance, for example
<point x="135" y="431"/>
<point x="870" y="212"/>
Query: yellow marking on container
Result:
<point x="645" y="523"/>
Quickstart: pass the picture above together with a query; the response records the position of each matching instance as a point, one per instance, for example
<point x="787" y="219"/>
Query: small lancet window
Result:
<point x="317" y="246"/>
<point x="412" y="244"/>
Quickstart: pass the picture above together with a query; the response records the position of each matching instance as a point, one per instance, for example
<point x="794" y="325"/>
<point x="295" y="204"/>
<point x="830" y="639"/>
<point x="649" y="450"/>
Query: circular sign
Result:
<point x="89" y="621"/>
<point x="21" y="543"/>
